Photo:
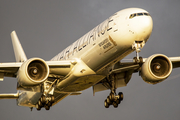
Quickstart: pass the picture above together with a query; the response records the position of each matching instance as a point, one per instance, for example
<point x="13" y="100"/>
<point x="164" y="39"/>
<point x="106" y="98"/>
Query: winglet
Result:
<point x="18" y="50"/>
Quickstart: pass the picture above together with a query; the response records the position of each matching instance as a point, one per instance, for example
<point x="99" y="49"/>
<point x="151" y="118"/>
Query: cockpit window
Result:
<point x="138" y="14"/>
<point x="146" y="14"/>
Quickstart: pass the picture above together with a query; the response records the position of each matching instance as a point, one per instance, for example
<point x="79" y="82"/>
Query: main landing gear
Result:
<point x="47" y="98"/>
<point x="45" y="101"/>
<point x="113" y="98"/>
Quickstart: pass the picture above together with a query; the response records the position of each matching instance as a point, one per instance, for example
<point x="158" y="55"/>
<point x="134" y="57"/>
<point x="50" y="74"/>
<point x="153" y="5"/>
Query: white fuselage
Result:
<point x="104" y="45"/>
<point x="110" y="41"/>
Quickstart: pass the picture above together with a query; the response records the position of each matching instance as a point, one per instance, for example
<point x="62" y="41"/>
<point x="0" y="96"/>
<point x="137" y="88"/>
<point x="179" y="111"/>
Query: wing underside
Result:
<point x="175" y="61"/>
<point x="59" y="96"/>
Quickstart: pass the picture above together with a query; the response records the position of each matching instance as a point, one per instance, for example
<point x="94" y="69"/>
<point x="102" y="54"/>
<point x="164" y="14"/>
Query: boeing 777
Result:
<point x="94" y="60"/>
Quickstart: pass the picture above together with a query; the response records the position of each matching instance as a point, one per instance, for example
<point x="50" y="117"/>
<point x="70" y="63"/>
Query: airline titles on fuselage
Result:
<point x="88" y="39"/>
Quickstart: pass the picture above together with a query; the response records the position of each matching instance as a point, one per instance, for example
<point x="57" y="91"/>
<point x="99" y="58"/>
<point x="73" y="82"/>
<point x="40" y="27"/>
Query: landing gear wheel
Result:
<point x="52" y="99"/>
<point x="47" y="107"/>
<point x="43" y="99"/>
<point x="140" y="60"/>
<point x="118" y="101"/>
<point x="38" y="107"/>
<point x="115" y="104"/>
<point x="120" y="96"/>
<point x="106" y="104"/>
<point x="40" y="103"/>
<point x="108" y="100"/>
<point x="49" y="104"/>
<point x="111" y="96"/>
<point x="135" y="59"/>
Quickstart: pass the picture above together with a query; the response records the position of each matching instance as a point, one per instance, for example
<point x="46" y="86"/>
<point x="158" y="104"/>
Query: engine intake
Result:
<point x="33" y="72"/>
<point x="156" y="69"/>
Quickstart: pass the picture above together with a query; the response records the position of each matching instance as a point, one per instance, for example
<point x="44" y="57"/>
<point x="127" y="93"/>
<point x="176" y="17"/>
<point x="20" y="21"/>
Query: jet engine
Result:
<point x="32" y="72"/>
<point x="156" y="69"/>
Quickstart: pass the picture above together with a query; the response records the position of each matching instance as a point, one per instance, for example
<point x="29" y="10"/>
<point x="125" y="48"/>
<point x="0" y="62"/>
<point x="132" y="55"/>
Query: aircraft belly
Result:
<point x="83" y="83"/>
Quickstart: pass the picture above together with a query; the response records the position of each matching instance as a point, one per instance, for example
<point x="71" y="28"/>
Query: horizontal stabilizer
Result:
<point x="9" y="96"/>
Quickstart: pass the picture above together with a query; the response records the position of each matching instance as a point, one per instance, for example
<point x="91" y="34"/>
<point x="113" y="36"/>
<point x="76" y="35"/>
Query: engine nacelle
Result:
<point x="32" y="72"/>
<point x="156" y="69"/>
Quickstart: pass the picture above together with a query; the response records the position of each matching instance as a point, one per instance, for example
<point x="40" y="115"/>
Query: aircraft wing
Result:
<point x="60" y="68"/>
<point x="124" y="70"/>
<point x="61" y="95"/>
<point x="57" y="68"/>
<point x="130" y="64"/>
<point x="175" y="61"/>
<point x="9" y="69"/>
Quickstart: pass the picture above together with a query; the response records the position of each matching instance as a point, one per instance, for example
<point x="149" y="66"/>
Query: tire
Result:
<point x="47" y="107"/>
<point x="108" y="101"/>
<point x="121" y="96"/>
<point x="115" y="104"/>
<point x="38" y="107"/>
<point x="40" y="103"/>
<point x="141" y="60"/>
<point x="52" y="99"/>
<point x="118" y="101"/>
<point x="49" y="104"/>
<point x="106" y="104"/>
<point x="111" y="96"/>
<point x="135" y="59"/>
<point x="43" y="99"/>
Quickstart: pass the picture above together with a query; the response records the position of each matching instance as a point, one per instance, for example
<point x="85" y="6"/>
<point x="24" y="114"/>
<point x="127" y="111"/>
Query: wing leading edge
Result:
<point x="175" y="61"/>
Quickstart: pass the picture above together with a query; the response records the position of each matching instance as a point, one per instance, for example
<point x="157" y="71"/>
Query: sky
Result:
<point x="46" y="27"/>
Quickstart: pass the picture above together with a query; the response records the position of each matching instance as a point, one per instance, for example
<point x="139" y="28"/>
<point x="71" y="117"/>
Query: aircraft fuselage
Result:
<point x="107" y="43"/>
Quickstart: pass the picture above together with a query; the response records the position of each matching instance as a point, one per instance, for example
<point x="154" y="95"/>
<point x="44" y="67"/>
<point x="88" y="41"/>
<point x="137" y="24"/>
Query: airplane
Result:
<point x="95" y="60"/>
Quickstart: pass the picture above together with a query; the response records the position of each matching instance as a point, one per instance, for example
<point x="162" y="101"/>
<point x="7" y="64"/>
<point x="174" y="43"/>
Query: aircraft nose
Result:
<point x="142" y="26"/>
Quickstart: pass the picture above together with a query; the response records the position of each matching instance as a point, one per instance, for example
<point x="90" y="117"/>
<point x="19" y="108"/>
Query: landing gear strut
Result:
<point x="137" y="45"/>
<point x="113" y="98"/>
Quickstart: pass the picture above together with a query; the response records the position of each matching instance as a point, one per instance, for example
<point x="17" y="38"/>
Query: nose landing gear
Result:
<point x="137" y="46"/>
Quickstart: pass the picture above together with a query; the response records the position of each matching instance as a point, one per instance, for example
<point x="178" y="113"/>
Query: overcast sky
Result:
<point x="46" y="27"/>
